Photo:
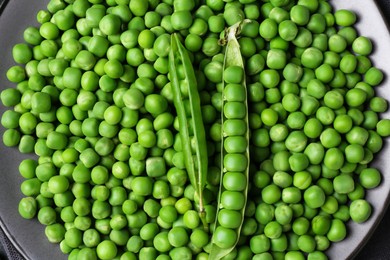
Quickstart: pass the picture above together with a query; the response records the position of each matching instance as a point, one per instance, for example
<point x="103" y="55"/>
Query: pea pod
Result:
<point x="234" y="151"/>
<point x="191" y="129"/>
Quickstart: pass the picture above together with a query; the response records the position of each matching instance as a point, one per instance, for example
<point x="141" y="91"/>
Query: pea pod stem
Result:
<point x="233" y="57"/>
<point x="194" y="144"/>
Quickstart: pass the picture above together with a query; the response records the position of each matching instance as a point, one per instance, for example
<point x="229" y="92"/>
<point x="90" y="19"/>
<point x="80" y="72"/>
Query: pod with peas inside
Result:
<point x="157" y="136"/>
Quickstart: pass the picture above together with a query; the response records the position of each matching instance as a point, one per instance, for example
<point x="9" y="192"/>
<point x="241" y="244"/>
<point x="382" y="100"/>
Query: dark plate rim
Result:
<point x="359" y="246"/>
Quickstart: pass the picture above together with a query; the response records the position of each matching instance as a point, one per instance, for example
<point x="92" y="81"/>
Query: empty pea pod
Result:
<point x="234" y="150"/>
<point x="191" y="129"/>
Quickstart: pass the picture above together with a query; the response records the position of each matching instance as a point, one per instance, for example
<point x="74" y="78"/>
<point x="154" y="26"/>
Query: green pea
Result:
<point x="300" y="14"/>
<point x="55" y="232"/>
<point x="268" y="28"/>
<point x="138" y="7"/>
<point x="269" y="78"/>
<point x="337" y="231"/>
<point x="181" y="20"/>
<point x="362" y="45"/>
<point x="382" y="127"/>
<point x="276" y="59"/>
<point x="232" y="200"/>
<point x="360" y="210"/>
<point x="106" y="249"/>
<point x="27" y="207"/>
<point x="370" y="178"/>
<point x="232" y="15"/>
<point x="133" y="98"/>
<point x="260" y="244"/>
<point x="314" y="197"/>
<point x="221" y="234"/>
<point x="306" y="243"/>
<point x="325" y="73"/>
<point x="235" y="162"/>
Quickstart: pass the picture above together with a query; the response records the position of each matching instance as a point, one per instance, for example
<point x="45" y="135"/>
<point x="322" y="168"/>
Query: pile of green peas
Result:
<point x="93" y="100"/>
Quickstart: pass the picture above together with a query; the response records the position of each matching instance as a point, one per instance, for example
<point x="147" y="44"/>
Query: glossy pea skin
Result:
<point x="55" y="232"/>
<point x="300" y="14"/>
<point x="360" y="210"/>
<point x="27" y="207"/>
<point x="382" y="127"/>
<point x="106" y="249"/>
<point x="221" y="234"/>
<point x="337" y="231"/>
<point x="362" y="45"/>
<point x="232" y="200"/>
<point x="229" y="218"/>
<point x="314" y="197"/>
<point x="271" y="194"/>
<point x="345" y="17"/>
<point x="370" y="178"/>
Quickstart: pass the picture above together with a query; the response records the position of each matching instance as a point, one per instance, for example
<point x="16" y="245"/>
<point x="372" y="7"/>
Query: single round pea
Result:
<point x="27" y="168"/>
<point x="235" y="162"/>
<point x="378" y="104"/>
<point x="330" y="138"/>
<point x="191" y="219"/>
<point x="47" y="216"/>
<point x="211" y="47"/>
<point x="233" y="14"/>
<point x="298" y="162"/>
<point x="55" y="232"/>
<point x="288" y="30"/>
<point x="283" y="214"/>
<point x="314" y="197"/>
<point x="58" y="184"/>
<point x="300" y="14"/>
<point x="260" y="244"/>
<point x="324" y="72"/>
<point x="313" y="128"/>
<point x="337" y="231"/>
<point x="360" y="210"/>
<point x="269" y="78"/>
<point x="334" y="158"/>
<point x="232" y="200"/>
<point x="224" y="237"/>
<point x="106" y="249"/>
<point x="362" y="45"/>
<point x="133" y="98"/>
<point x="296" y="141"/>
<point x="269" y="117"/>
<point x="271" y="193"/>
<point x="291" y="195"/>
<point x="273" y="230"/>
<point x="10" y="119"/>
<point x="276" y="59"/>
<point x="268" y="28"/>
<point x="383" y="127"/>
<point x="27" y="207"/>
<point x="178" y="237"/>
<point x="373" y="76"/>
<point x="11" y="137"/>
<point x="370" y="178"/>
<point x="345" y="17"/>
<point x="234" y="181"/>
<point x="229" y="218"/>
<point x="302" y="180"/>
<point x="193" y="42"/>
<point x="181" y="20"/>
<point x="142" y="185"/>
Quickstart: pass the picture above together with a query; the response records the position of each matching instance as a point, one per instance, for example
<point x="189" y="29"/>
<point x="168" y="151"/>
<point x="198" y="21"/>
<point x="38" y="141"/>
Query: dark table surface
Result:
<point x="378" y="247"/>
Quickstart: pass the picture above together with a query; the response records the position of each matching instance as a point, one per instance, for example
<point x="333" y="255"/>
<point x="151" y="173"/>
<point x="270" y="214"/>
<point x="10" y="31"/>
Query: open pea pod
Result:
<point x="191" y="129"/>
<point x="234" y="150"/>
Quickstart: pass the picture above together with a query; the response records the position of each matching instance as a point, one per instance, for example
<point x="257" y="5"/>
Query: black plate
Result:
<point x="28" y="236"/>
